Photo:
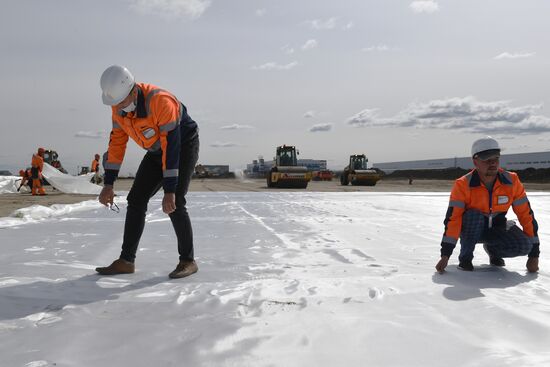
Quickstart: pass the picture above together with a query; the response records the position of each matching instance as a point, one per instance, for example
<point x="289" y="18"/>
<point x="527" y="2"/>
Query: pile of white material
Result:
<point x="285" y="279"/>
<point x="9" y="184"/>
<point x="70" y="184"/>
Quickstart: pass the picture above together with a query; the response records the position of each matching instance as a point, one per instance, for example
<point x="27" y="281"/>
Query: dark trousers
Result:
<point x="146" y="184"/>
<point x="501" y="241"/>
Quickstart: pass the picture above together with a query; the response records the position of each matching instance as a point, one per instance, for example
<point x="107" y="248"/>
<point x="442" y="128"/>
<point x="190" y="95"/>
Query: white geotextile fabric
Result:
<point x="9" y="184"/>
<point x="70" y="184"/>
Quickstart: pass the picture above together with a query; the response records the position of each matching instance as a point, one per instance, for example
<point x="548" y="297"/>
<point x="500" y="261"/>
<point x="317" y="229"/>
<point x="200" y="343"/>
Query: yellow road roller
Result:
<point x="286" y="172"/>
<point x="357" y="172"/>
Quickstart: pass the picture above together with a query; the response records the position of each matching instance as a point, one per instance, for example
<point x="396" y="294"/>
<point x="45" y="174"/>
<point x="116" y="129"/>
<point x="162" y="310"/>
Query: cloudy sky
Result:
<point x="396" y="80"/>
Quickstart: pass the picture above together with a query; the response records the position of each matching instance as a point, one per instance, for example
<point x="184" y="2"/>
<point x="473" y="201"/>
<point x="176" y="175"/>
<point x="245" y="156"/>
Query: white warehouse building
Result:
<point x="507" y="161"/>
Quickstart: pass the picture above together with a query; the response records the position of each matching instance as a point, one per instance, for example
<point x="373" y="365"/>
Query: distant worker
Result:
<point x="37" y="164"/>
<point x="95" y="169"/>
<point x="477" y="213"/>
<point x="156" y="120"/>
<point x="25" y="179"/>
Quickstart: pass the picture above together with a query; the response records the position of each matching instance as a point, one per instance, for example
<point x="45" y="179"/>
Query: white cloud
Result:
<point x="236" y="127"/>
<point x="319" y="24"/>
<point x="348" y="26"/>
<point x="287" y="49"/>
<point x="219" y="144"/>
<point x="367" y="117"/>
<point x="91" y="134"/>
<point x="310" y="44"/>
<point x="507" y="55"/>
<point x="424" y="6"/>
<point x="462" y="114"/>
<point x="309" y="114"/>
<point x="379" y="48"/>
<point x="261" y="12"/>
<point x="171" y="8"/>
<point x="320" y="128"/>
<point x="274" y="66"/>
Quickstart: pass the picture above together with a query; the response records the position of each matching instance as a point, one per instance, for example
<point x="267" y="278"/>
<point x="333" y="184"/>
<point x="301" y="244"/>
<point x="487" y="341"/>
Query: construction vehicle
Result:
<point x="286" y="172"/>
<point x="357" y="172"/>
<point x="323" y="175"/>
<point x="201" y="171"/>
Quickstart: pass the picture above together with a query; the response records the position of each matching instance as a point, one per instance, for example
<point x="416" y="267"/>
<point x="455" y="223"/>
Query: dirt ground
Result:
<point x="11" y="202"/>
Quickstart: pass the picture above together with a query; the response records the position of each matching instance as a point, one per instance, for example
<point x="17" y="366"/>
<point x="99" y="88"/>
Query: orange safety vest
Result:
<point x="157" y="113"/>
<point x="469" y="193"/>
<point x="95" y="166"/>
<point x="37" y="164"/>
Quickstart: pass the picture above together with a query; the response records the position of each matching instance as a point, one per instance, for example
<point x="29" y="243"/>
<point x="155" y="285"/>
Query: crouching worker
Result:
<point x="25" y="179"/>
<point x="157" y="121"/>
<point x="477" y="214"/>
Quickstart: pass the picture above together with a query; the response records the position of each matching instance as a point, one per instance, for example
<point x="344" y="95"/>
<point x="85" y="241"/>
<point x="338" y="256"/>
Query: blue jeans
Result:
<point x="501" y="241"/>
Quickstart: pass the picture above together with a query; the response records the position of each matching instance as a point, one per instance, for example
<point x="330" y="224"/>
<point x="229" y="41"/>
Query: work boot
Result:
<point x="465" y="265"/>
<point x="184" y="269"/>
<point x="494" y="260"/>
<point x="119" y="266"/>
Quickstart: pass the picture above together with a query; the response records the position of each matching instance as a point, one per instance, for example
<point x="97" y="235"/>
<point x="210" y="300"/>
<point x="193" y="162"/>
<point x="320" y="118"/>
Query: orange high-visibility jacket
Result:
<point x="37" y="164"/>
<point x="95" y="166"/>
<point x="157" y="115"/>
<point x="469" y="193"/>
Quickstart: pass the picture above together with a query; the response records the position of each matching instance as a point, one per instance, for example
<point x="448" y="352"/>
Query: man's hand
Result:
<point x="442" y="264"/>
<point x="169" y="202"/>
<point x="532" y="264"/>
<point x="107" y="195"/>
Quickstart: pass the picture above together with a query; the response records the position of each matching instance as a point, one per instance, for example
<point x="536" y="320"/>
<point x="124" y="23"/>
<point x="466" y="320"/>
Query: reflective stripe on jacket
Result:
<point x="469" y="193"/>
<point x="154" y="125"/>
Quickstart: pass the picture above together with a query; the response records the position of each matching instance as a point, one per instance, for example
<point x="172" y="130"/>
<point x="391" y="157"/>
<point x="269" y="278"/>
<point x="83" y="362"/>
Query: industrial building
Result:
<point x="507" y="161"/>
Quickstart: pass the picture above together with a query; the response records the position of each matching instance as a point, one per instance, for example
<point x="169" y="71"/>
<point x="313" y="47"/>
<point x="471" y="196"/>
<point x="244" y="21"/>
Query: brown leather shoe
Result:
<point x="119" y="266"/>
<point x="184" y="269"/>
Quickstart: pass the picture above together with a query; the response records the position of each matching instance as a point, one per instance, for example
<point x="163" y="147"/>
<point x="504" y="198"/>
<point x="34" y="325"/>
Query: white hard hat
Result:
<point x="116" y="83"/>
<point x="485" y="148"/>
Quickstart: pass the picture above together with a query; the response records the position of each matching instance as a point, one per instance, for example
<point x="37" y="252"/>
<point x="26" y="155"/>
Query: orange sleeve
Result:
<point x="167" y="113"/>
<point x="457" y="206"/>
<point x="453" y="218"/>
<point x="522" y="208"/>
<point x="117" y="148"/>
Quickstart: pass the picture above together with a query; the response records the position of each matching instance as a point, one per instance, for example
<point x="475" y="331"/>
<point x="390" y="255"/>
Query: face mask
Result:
<point x="131" y="107"/>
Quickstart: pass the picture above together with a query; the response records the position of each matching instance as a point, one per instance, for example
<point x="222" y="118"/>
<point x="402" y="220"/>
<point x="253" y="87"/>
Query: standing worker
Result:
<point x="95" y="169"/>
<point x="37" y="164"/>
<point x="477" y="213"/>
<point x="156" y="120"/>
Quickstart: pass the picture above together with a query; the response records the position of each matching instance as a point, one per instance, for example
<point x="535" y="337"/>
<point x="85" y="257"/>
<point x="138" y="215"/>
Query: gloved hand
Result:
<point x="442" y="264"/>
<point x="532" y="264"/>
